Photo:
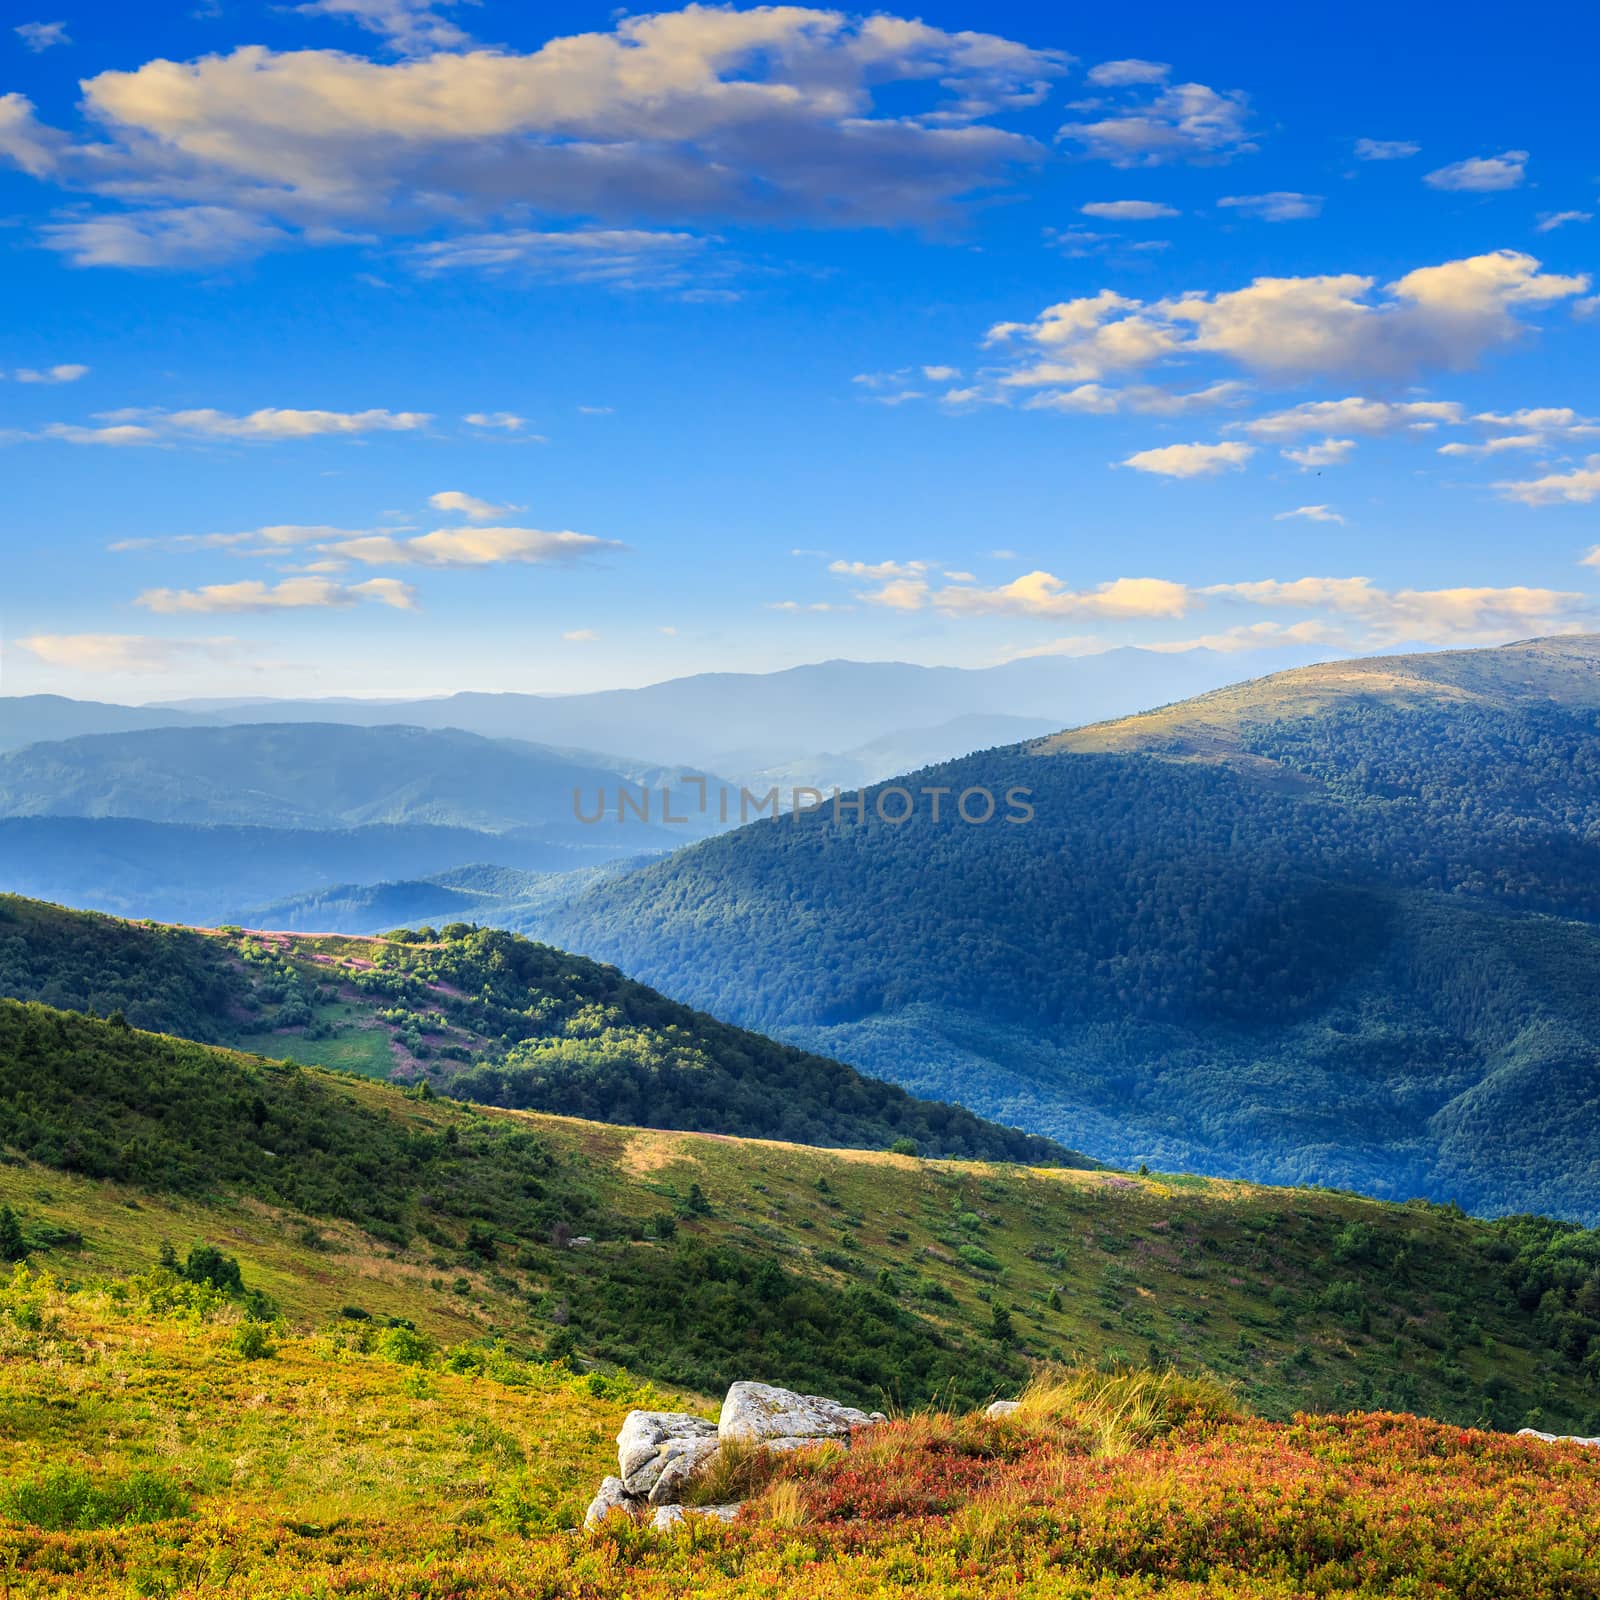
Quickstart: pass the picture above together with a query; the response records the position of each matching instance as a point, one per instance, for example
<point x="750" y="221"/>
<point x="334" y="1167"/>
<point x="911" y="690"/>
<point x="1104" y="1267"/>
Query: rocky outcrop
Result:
<point x="613" y="1496"/>
<point x="679" y="1467"/>
<point x="648" y="1439"/>
<point x="754" y="1413"/>
<point x="660" y="1452"/>
<point x="1558" y="1438"/>
<point x="1002" y="1408"/>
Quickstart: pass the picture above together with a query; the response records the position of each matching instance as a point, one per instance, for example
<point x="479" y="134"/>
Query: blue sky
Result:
<point x="366" y="347"/>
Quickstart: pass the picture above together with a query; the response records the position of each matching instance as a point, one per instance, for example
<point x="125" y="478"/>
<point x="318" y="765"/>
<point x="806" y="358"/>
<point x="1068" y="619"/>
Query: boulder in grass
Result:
<point x="645" y="1432"/>
<point x="755" y="1413"/>
<point x="1558" y="1438"/>
<point x="681" y="1459"/>
<point x="613" y="1496"/>
<point x="1002" y="1408"/>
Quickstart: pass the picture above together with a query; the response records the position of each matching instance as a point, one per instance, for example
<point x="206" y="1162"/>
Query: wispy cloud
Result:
<point x="472" y="547"/>
<point x="40" y="36"/>
<point x="293" y="594"/>
<point x="1281" y="205"/>
<point x="1385" y="149"/>
<point x="125" y="652"/>
<point x="65" y="372"/>
<point x="1482" y="174"/>
<point x="1310" y="514"/>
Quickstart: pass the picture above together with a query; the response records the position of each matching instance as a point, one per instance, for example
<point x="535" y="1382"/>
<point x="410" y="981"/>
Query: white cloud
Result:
<point x="291" y="594"/>
<point x="504" y="421"/>
<point x="1259" y="636"/>
<point x="1447" y="316"/>
<point x="1191" y="460"/>
<point x="589" y="411"/>
<point x="66" y="372"/>
<point x="1183" y="122"/>
<point x="39" y="36"/>
<point x="581" y="636"/>
<point x="1547" y="419"/>
<point x="1580" y="486"/>
<point x="1146" y="399"/>
<point x="1129" y="210"/>
<point x="277" y="536"/>
<point x="1042" y="594"/>
<point x="469" y="505"/>
<point x="116" y="436"/>
<point x="1552" y="220"/>
<point x="879" y="570"/>
<point x="414" y="26"/>
<point x="124" y="652"/>
<point x="1433" y="616"/>
<point x="276" y="422"/>
<point x="618" y="258"/>
<point x="771" y="114"/>
<point x="164" y="236"/>
<point x="1385" y="149"/>
<point x="142" y="426"/>
<point x="1120" y="74"/>
<point x="1357" y="415"/>
<point x="941" y="374"/>
<point x="1481" y="174"/>
<point x="1034" y="594"/>
<point x="1310" y="514"/>
<point x="1325" y="453"/>
<point x="1495" y="446"/>
<point x="471" y="547"/>
<point x="1281" y="205"/>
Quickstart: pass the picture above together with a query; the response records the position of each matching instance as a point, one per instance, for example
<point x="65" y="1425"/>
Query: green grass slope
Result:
<point x="707" y="1259"/>
<point x="480" y="1014"/>
<point x="1333" y="926"/>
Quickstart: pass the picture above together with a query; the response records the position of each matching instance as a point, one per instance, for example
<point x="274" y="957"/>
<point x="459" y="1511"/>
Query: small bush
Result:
<point x="67" y="1498"/>
<point x="252" y="1341"/>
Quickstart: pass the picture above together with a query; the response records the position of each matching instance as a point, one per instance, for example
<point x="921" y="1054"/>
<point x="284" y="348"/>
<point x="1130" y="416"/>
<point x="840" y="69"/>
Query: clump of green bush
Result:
<point x="63" y="1499"/>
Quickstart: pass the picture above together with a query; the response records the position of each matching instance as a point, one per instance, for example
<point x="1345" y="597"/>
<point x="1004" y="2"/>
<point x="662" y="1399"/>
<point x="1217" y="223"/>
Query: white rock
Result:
<point x="1558" y="1438"/>
<point x="1002" y="1408"/>
<point x="670" y="1516"/>
<point x="681" y="1459"/>
<point x="645" y="1432"/>
<point x="613" y="1496"/>
<point x="756" y="1412"/>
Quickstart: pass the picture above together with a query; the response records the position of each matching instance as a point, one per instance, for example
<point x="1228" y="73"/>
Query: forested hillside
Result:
<point x="479" y="1014"/>
<point x="1340" y="944"/>
<point x="698" y="1260"/>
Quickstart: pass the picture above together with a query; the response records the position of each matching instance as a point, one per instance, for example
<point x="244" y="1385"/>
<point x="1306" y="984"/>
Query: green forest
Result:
<point x="483" y="1015"/>
<point x="1377" y="920"/>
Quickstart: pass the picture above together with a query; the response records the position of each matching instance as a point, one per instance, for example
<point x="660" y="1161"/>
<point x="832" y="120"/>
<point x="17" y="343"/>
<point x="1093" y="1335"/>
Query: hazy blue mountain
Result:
<point x="739" y="723"/>
<point x="28" y="718"/>
<point x="177" y="872"/>
<point x="325" y="775"/>
<point x="1333" y="926"/>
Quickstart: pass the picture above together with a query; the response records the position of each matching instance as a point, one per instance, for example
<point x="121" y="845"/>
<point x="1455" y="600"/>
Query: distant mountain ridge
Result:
<point x="735" y="723"/>
<point x="327" y="775"/>
<point x="1334" y="925"/>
